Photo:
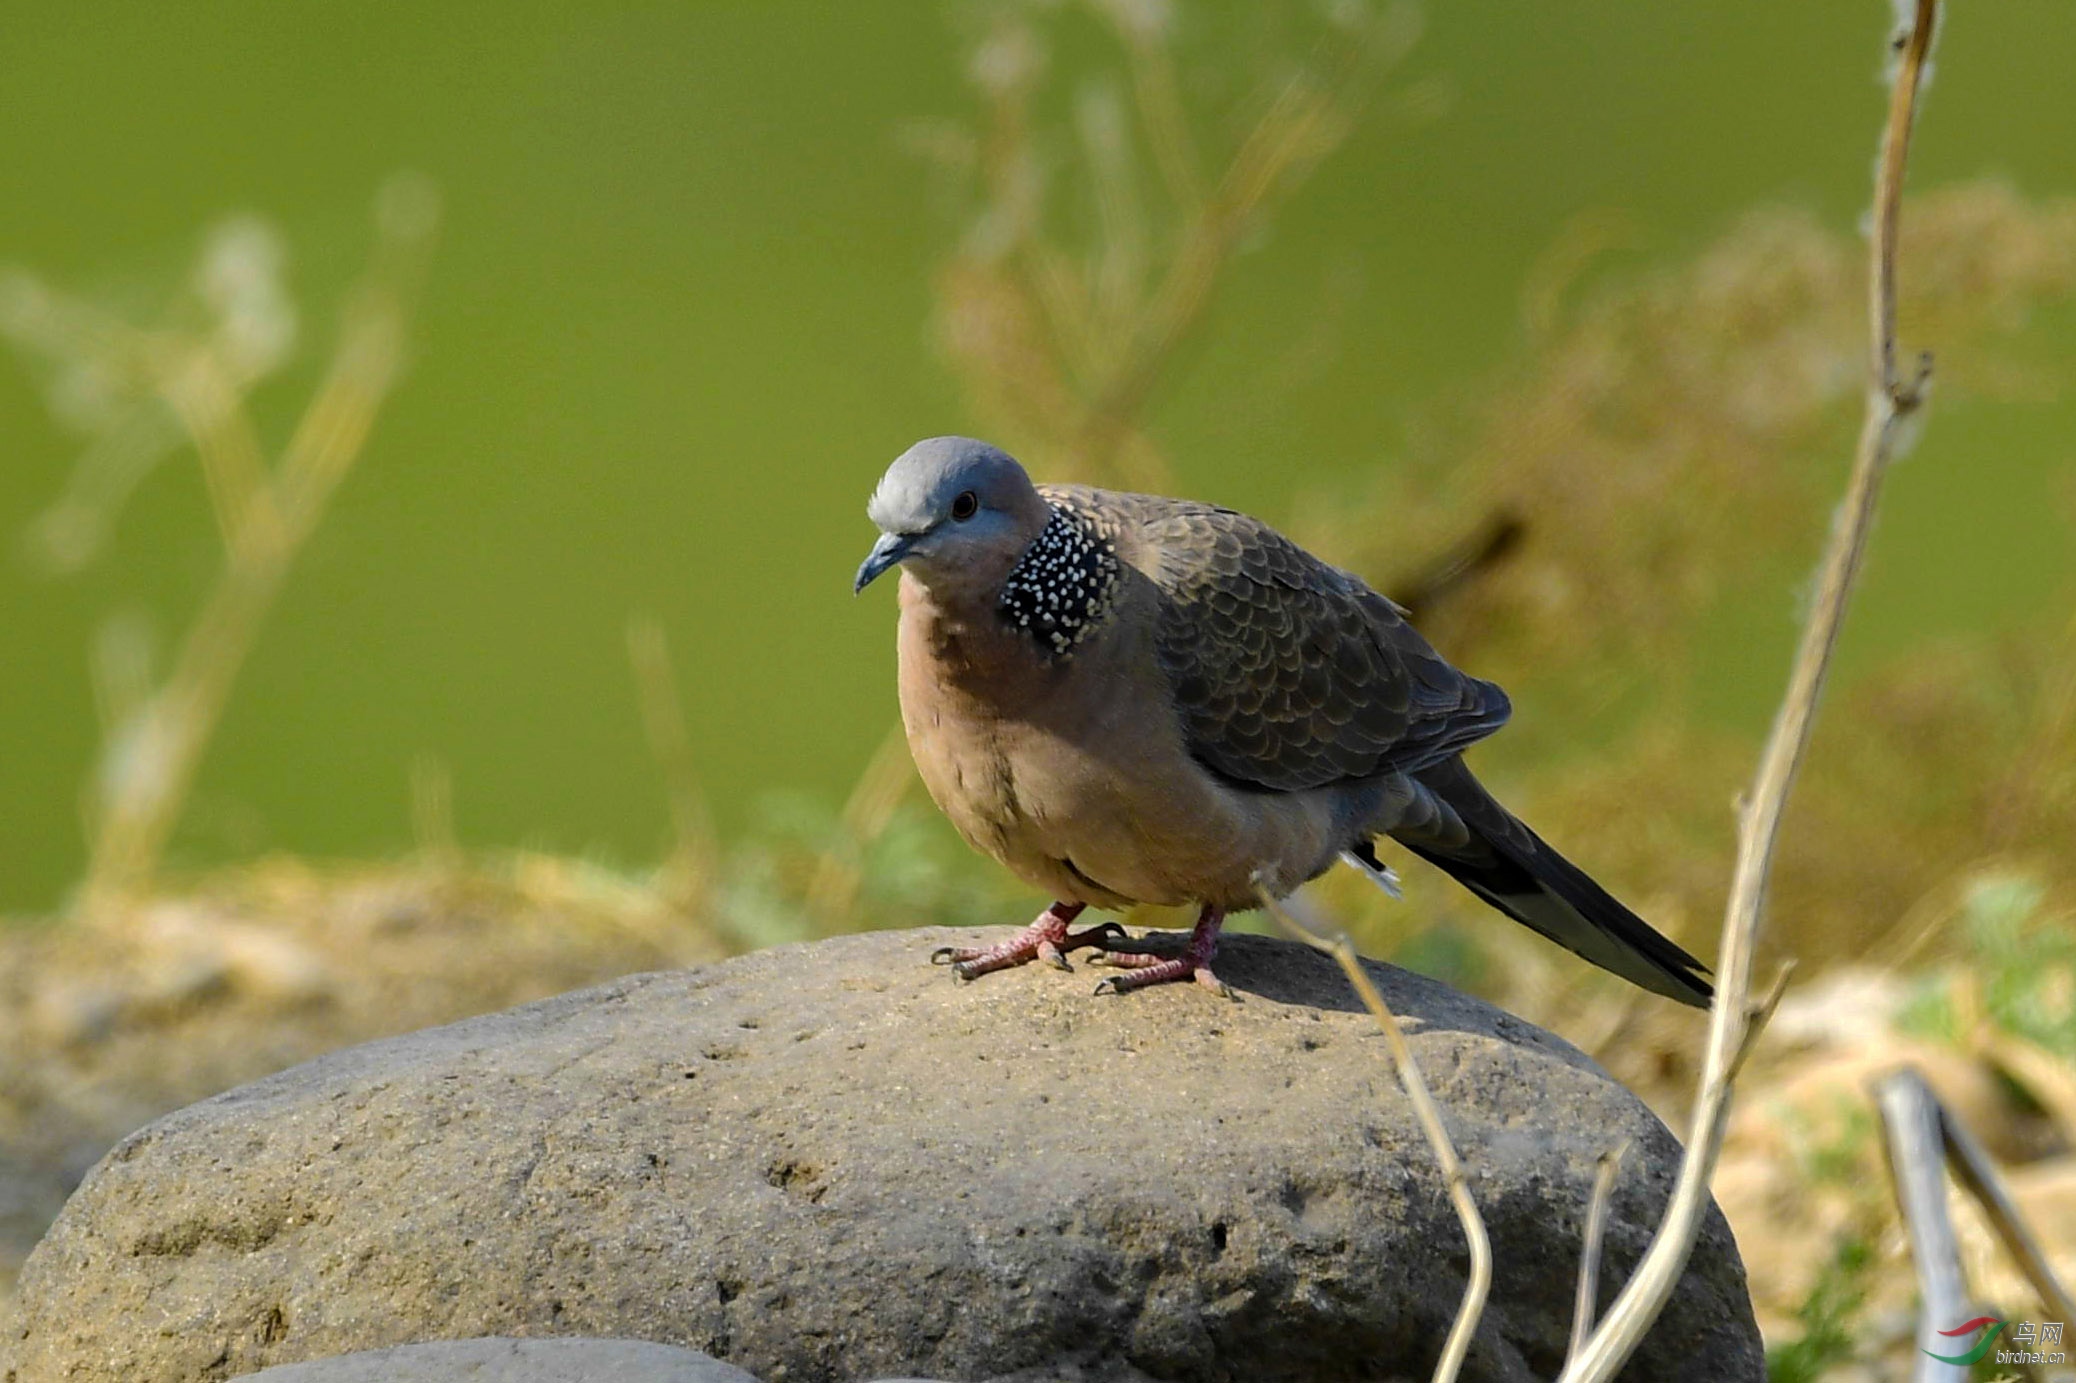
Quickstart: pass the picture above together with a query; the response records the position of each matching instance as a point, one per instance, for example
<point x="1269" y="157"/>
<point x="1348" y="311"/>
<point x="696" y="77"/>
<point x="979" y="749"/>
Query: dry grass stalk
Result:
<point x="432" y="813"/>
<point x="1588" y="1298"/>
<point x="155" y="735"/>
<point x="1063" y="342"/>
<point x="1893" y="402"/>
<point x="1940" y="759"/>
<point x="1977" y="1173"/>
<point x="1910" y="1123"/>
<point x="832" y="890"/>
<point x="1337" y="945"/>
<point x="694" y="860"/>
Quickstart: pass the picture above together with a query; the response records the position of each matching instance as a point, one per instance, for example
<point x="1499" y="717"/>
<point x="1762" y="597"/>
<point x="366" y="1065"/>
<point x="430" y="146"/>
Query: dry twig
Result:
<point x="1065" y="338"/>
<point x="695" y="854"/>
<point x="265" y="517"/>
<point x="432" y="813"/>
<point x="1893" y="402"/>
<point x="1978" y="1175"/>
<point x="1588" y="1297"/>
<point x="832" y="890"/>
<point x="1910" y="1123"/>
<point x="1337" y="945"/>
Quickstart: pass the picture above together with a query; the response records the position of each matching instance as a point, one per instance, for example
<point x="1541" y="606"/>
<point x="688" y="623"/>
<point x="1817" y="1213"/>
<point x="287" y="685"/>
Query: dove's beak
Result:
<point x="890" y="548"/>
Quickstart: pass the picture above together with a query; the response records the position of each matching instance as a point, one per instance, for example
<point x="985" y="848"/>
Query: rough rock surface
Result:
<point x="110" y="1020"/>
<point x="502" y="1360"/>
<point x="831" y="1162"/>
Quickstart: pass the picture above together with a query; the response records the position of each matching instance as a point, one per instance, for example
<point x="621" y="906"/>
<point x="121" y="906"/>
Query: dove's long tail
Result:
<point x="1466" y="832"/>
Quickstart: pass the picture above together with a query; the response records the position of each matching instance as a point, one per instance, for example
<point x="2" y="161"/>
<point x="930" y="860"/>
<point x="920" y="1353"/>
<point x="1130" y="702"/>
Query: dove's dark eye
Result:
<point x="965" y="506"/>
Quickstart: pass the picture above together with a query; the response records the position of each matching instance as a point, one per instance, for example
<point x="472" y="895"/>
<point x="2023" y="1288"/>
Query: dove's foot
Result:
<point x="1143" y="968"/>
<point x="1047" y="939"/>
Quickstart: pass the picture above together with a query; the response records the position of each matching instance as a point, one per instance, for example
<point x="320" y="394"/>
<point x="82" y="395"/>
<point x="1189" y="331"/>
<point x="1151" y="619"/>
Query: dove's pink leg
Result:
<point x="1047" y="939"/>
<point x="1194" y="963"/>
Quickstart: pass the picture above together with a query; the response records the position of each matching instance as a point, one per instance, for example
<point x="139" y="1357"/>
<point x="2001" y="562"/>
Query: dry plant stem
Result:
<point x="432" y="813"/>
<point x="832" y="891"/>
<point x="232" y="463"/>
<point x="170" y="732"/>
<point x="1157" y="94"/>
<point x="1978" y="1175"/>
<point x="106" y="475"/>
<point x="1589" y="1251"/>
<point x="1758" y="1014"/>
<point x="1108" y="333"/>
<point x="200" y="389"/>
<point x="1428" y="1113"/>
<point x="1295" y="132"/>
<point x="1910" y="1123"/>
<point x="692" y="863"/>
<point x="1891" y="403"/>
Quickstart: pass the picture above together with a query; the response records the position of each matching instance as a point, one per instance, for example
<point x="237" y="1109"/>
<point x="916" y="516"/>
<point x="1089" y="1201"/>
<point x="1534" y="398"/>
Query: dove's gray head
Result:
<point x="955" y="513"/>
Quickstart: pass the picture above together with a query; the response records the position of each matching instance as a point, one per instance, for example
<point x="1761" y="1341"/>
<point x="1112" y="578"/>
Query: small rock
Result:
<point x="830" y="1161"/>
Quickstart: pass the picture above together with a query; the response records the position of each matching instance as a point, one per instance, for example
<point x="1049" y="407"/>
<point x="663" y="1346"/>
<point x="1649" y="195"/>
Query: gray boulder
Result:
<point x="499" y="1360"/>
<point x="831" y="1162"/>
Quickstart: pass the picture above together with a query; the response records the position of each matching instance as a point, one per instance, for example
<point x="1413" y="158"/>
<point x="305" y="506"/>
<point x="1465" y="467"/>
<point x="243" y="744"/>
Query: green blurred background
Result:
<point x="678" y="320"/>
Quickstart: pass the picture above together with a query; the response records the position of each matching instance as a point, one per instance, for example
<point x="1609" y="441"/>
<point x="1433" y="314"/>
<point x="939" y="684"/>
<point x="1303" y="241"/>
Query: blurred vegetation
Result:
<point x="1602" y="527"/>
<point x="1682" y="437"/>
<point x="1826" y="1319"/>
<point x="2018" y="972"/>
<point x="135" y="391"/>
<point x="1090" y="255"/>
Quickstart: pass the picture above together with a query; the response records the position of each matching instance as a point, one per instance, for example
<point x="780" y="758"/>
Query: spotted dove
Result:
<point x="1130" y="699"/>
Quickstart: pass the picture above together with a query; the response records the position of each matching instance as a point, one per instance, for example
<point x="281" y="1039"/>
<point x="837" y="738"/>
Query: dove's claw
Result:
<point x="1046" y="939"/>
<point x="1103" y="935"/>
<point x="1143" y="968"/>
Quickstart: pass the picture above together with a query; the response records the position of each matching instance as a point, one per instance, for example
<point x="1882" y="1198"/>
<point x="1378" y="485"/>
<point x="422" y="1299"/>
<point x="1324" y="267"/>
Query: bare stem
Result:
<point x="1910" y="1119"/>
<point x="832" y="890"/>
<point x="1589" y="1250"/>
<point x="1158" y="95"/>
<point x="1978" y="1176"/>
<point x="692" y="865"/>
<point x="432" y="812"/>
<point x="1301" y="124"/>
<point x="1891" y="403"/>
<point x="152" y="760"/>
<point x="233" y="467"/>
<point x="1337" y="945"/>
